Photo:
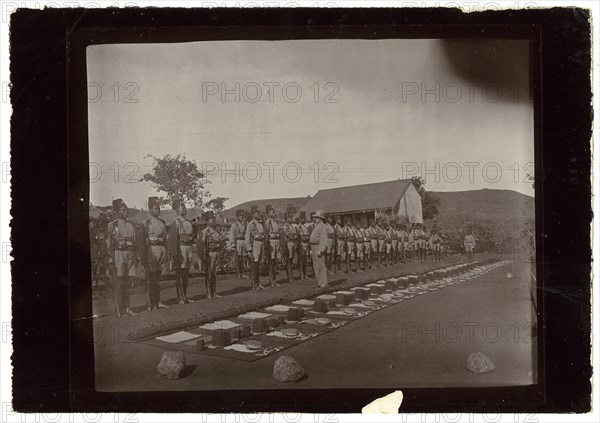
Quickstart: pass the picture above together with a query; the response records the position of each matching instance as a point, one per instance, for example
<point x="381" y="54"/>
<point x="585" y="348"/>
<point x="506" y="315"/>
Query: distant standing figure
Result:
<point x="470" y="245"/>
<point x="318" y="245"/>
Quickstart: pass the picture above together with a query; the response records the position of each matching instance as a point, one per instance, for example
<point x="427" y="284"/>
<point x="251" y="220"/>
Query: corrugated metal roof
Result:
<point x="358" y="198"/>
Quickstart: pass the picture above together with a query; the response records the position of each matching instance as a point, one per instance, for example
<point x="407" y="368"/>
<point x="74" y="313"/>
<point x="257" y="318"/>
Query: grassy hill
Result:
<point x="484" y="205"/>
<point x="498" y="218"/>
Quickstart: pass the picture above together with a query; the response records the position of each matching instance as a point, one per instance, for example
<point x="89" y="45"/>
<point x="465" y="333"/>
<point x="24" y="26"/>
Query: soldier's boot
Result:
<point x="149" y="292"/>
<point x="213" y="284"/>
<point x="125" y="293"/>
<point x="305" y="267"/>
<point x="241" y="264"/>
<point x="157" y="302"/>
<point x="288" y="269"/>
<point x="299" y="264"/>
<point x="240" y="274"/>
<point x="252" y="281"/>
<point x="273" y="273"/>
<point x="118" y="295"/>
<point x="184" y="283"/>
<point x="207" y="285"/>
<point x="257" y="275"/>
<point x="178" y="286"/>
<point x="347" y="265"/>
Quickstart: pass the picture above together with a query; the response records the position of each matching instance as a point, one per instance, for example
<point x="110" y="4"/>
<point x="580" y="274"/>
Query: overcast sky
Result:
<point x="360" y="107"/>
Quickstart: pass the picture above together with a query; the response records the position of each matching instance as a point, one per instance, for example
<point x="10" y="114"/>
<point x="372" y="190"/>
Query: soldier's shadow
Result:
<point x="236" y="290"/>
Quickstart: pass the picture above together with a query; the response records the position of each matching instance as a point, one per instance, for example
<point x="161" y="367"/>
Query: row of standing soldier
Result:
<point x="261" y="238"/>
<point x="264" y="238"/>
<point x="155" y="245"/>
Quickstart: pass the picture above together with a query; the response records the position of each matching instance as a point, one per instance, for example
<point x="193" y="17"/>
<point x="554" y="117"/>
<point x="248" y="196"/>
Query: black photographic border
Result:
<point x="53" y="341"/>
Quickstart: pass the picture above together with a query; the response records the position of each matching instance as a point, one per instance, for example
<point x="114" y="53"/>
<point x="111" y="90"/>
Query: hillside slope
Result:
<point x="484" y="205"/>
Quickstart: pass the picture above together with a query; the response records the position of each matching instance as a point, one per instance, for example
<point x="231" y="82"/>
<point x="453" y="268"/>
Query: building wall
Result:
<point x="410" y="208"/>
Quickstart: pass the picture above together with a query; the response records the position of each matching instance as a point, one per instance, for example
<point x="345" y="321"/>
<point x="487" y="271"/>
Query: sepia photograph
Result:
<point x="312" y="214"/>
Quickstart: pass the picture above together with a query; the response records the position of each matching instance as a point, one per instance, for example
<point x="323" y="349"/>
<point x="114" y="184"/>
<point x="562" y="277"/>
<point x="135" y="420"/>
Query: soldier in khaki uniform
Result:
<point x="340" y="238"/>
<point x="290" y="232"/>
<point x="402" y="243"/>
<point x="350" y="244"/>
<point x="180" y="241"/>
<point x="121" y="239"/>
<point x="372" y="231"/>
<point x="381" y="248"/>
<point x="153" y="253"/>
<point x="304" y="230"/>
<point x="420" y="242"/>
<point x="330" y="250"/>
<point x="394" y="236"/>
<point x="359" y="239"/>
<point x="255" y="241"/>
<point x="210" y="247"/>
<point x="237" y="238"/>
<point x="274" y="235"/>
<point x="366" y="231"/>
<point x="411" y="242"/>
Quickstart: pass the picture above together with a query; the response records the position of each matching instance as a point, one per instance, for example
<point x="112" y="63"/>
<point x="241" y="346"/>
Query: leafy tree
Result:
<point x="430" y="202"/>
<point x="216" y="204"/>
<point x="178" y="178"/>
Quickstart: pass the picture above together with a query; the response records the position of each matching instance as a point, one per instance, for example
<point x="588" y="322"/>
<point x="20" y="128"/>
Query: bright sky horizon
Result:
<point x="274" y="119"/>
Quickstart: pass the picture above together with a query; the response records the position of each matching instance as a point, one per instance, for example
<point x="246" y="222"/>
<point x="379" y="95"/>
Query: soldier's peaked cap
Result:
<point x="118" y="203"/>
<point x="177" y="203"/>
<point x="253" y="210"/>
<point x="239" y="213"/>
<point x="268" y="208"/>
<point x="152" y="201"/>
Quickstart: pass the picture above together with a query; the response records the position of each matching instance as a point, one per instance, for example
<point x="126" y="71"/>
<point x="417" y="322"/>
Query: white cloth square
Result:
<point x="220" y="324"/>
<point x="303" y="302"/>
<point x="254" y="315"/>
<point x="278" y="307"/>
<point x="177" y="337"/>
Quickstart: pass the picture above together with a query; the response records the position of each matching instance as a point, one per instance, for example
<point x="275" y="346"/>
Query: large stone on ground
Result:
<point x="479" y="363"/>
<point x="287" y="369"/>
<point x="171" y="364"/>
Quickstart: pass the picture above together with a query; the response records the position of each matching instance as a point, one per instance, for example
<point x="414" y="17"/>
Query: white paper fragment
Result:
<point x="390" y="404"/>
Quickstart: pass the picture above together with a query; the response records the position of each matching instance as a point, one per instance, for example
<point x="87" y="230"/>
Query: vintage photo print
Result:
<point x="312" y="214"/>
